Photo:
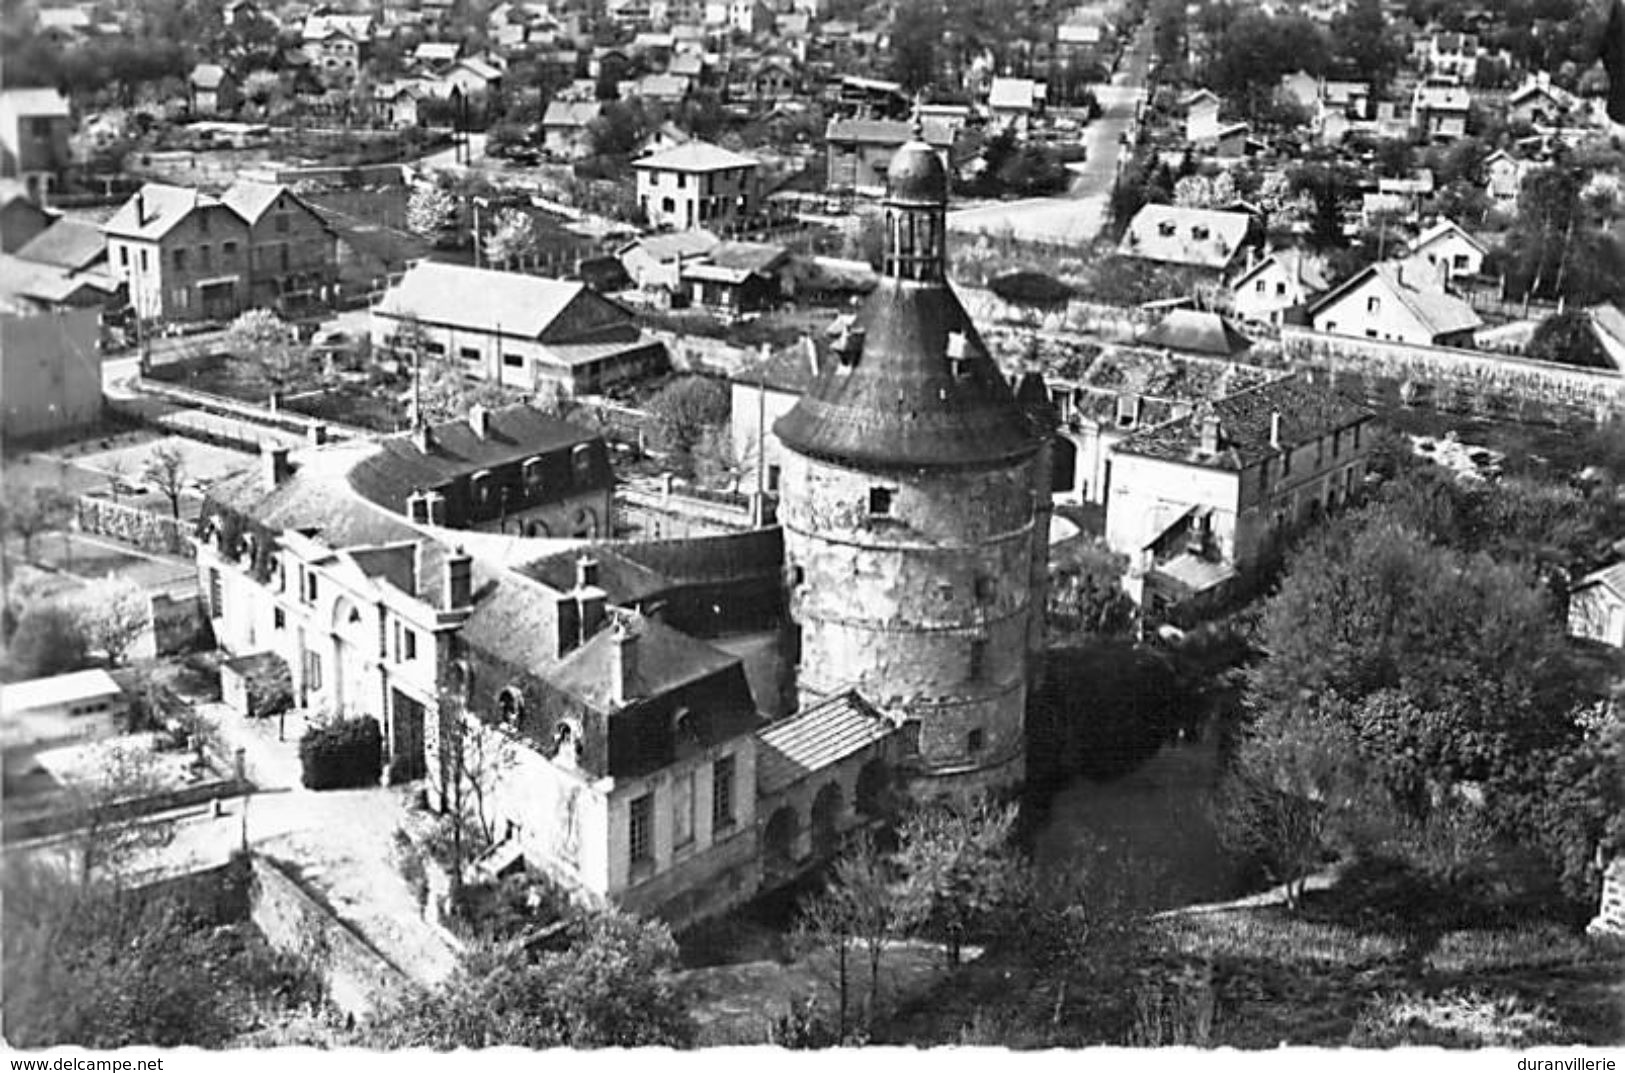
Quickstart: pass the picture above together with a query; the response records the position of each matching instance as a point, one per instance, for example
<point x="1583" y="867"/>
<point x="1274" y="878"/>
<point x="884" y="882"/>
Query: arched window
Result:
<point x="511" y="705"/>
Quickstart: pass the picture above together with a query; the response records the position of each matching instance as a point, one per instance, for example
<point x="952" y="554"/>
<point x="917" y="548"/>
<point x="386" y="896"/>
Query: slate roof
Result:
<point x="674" y="244"/>
<point x="67" y="243"/>
<point x="634" y="571"/>
<point x="1307" y="411"/>
<point x="250" y="199"/>
<point x="734" y="262"/>
<point x="813" y="739"/>
<point x="1197" y="331"/>
<point x="937" y="133"/>
<point x="397" y="469"/>
<point x="316" y="498"/>
<point x="666" y="660"/>
<point x="696" y="157"/>
<point x="1443" y="228"/>
<point x="1199" y="238"/>
<point x="900" y="405"/>
<point x="480" y="298"/>
<point x="51" y="284"/>
<point x="1306" y="270"/>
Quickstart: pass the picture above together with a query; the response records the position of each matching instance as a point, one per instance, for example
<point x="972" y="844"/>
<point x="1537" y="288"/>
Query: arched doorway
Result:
<point x="779" y="838"/>
<point x="826" y="819"/>
<point x="874" y="789"/>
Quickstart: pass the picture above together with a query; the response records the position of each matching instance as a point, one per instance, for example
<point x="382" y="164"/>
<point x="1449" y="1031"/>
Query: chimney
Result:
<point x="1210" y="434"/>
<point x="958" y="353"/>
<point x="1275" y="430"/>
<point x="317" y="433"/>
<point x="850" y="346"/>
<point x="586" y="572"/>
<point x="479" y="419"/>
<point x="623" y="664"/>
<point x="140" y="209"/>
<point x="274" y="464"/>
<point x="459" y="571"/>
<point x="423" y="438"/>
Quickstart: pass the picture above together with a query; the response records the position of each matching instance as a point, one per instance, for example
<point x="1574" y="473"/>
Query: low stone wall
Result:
<point x="1492" y="385"/>
<point x="285" y="420"/>
<point x="22" y="826"/>
<point x="358" y="979"/>
<point x="1121" y="323"/>
<point x="676" y="895"/>
<point x="664" y="516"/>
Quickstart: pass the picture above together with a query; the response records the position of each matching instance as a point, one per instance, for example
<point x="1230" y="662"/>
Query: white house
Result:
<point x="1439" y="111"/>
<point x="1597" y="606"/>
<point x="697" y="185"/>
<point x="1277" y="285"/>
<point x="1014" y="103"/>
<point x="1449" y="250"/>
<point x="1207" y="239"/>
<point x="1202" y="117"/>
<point x="1503" y="177"/>
<point x="1385" y="301"/>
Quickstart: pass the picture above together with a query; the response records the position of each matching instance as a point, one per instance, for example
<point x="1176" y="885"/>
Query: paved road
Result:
<point x="1077" y="217"/>
<point x="446" y="159"/>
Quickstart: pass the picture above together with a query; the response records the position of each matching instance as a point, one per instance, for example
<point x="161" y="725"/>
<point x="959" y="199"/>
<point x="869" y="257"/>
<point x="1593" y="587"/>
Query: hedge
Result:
<point x="343" y="754"/>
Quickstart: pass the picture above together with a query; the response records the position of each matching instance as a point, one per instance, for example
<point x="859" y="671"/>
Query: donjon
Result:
<point x="914" y="502"/>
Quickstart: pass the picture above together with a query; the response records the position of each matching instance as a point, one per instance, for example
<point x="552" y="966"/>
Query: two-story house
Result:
<point x="567" y="128"/>
<point x="1015" y="103"/>
<point x="213" y="90"/>
<point x="1202" y="117"/>
<point x="34" y="139"/>
<point x="697" y="185"/>
<point x="182" y="253"/>
<point x="1200" y="502"/>
<point x="1453" y="56"/>
<point x="1503" y="177"/>
<point x="860" y="150"/>
<point x="337" y="46"/>
<point x="1387" y="301"/>
<point x="1278" y="287"/>
<point x="1207" y="240"/>
<point x="1440" y="111"/>
<point x="187" y="255"/>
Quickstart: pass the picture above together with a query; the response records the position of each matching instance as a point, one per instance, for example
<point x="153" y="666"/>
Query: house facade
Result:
<point x="50" y="372"/>
<point x="293" y="252"/>
<point x="336" y="46"/>
<point x="697" y="185"/>
<point x="1277" y="287"/>
<point x="567" y="128"/>
<point x="1597" y="607"/>
<point x="860" y="150"/>
<point x="1391" y="302"/>
<point x="1200" y="502"/>
<point x="34" y="126"/>
<point x="1449" y="250"/>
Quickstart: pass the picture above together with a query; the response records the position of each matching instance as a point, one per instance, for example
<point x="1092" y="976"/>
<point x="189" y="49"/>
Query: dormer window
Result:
<point x="880" y="501"/>
<point x="533" y="476"/>
<point x="1199" y="233"/>
<point x="1166" y="229"/>
<point x="581" y="464"/>
<point x="481" y="486"/>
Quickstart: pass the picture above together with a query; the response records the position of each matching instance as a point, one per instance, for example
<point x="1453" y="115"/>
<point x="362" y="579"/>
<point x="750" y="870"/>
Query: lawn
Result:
<point x="1262" y="977"/>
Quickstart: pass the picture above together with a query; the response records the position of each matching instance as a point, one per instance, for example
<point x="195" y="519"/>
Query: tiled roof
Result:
<point x="938" y="133"/>
<point x="67" y="243"/>
<point x="1307" y="412"/>
<point x="734" y="262"/>
<point x="811" y="740"/>
<point x="162" y="206"/>
<point x="480" y="298"/>
<point x="392" y="473"/>
<point x="208" y="75"/>
<point x="696" y="156"/>
<point x="41" y="103"/>
<point x="674" y="244"/>
<point x="1015" y="93"/>
<point x="1440" y="313"/>
<point x="789" y="369"/>
<point x="47" y="283"/>
<point x="1308" y="271"/>
<point x="250" y="199"/>
<point x="320" y="27"/>
<point x="1197" y="331"/>
<point x="315" y="498"/>
<point x="1200" y="238"/>
<point x="634" y="571"/>
<point x="1611" y="577"/>
<point x="666" y="660"/>
<point x="571" y="113"/>
<point x="1445" y="227"/>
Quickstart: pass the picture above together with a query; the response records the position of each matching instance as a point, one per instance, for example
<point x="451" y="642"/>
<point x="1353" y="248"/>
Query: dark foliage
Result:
<point x="343" y="754"/>
<point x="1031" y="288"/>
<point x="48" y="641"/>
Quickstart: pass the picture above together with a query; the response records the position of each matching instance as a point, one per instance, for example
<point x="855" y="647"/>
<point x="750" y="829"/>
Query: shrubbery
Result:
<point x="1031" y="288"/>
<point x="343" y="754"/>
<point x="270" y="689"/>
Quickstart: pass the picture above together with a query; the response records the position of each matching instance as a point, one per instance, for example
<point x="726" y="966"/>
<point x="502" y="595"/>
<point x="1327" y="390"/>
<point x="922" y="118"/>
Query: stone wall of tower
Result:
<point x="927" y="609"/>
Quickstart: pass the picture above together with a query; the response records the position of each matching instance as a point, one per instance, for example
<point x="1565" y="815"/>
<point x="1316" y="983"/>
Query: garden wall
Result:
<point x="1077" y="316"/>
<point x="1491" y="385"/>
<point x="22" y="826"/>
<point x="357" y="978"/>
<point x="141" y="529"/>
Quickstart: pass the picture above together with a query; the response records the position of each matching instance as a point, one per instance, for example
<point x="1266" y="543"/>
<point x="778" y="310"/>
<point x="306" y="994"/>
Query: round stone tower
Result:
<point x="913" y="499"/>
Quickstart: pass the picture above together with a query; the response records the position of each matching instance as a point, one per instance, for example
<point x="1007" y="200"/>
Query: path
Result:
<point x="1078" y="216"/>
<point x="447" y="159"/>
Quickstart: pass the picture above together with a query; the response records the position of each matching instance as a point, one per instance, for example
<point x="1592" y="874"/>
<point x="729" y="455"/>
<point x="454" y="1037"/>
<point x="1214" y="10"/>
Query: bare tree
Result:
<point x="113" y="616"/>
<point x="956" y="867"/>
<point x="105" y="840"/>
<point x="167" y="471"/>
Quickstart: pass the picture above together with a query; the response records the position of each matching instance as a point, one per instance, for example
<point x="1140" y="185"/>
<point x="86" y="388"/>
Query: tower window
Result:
<point x="975" y="741"/>
<point x="978" y="660"/>
<point x="880" y="500"/>
<point x="641" y="835"/>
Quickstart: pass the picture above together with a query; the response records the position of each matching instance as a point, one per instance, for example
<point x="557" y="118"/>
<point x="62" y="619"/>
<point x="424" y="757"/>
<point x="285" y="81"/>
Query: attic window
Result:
<point x="532" y="471"/>
<point x="581" y="464"/>
<point x="1199" y="232"/>
<point x="480" y="484"/>
<point x="511" y="705"/>
<point x="1166" y="229"/>
<point x="880" y="501"/>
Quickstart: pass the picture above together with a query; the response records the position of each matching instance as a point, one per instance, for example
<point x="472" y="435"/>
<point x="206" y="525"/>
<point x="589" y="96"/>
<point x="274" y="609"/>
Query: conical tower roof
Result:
<point x="913" y="385"/>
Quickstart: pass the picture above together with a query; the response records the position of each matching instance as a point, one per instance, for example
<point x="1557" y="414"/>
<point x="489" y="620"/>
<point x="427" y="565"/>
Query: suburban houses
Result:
<point x="670" y="523"/>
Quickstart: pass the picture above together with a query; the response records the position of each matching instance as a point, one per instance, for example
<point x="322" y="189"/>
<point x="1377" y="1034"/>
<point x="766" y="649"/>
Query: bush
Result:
<point x="343" y="754"/>
<point x="270" y="689"/>
<point x="49" y="641"/>
<point x="1031" y="288"/>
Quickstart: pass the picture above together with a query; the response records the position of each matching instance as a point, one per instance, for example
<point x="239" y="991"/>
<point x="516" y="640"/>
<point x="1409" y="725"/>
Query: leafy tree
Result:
<point x="105" y="845"/>
<point x="1367" y="44"/>
<point x="112" y="616"/>
<point x="612" y="988"/>
<point x="269" y="347"/>
<point x="684" y="409"/>
<point x="1256" y="49"/>
<point x="1204" y="192"/>
<point x="341" y="754"/>
<point x="1567" y="339"/>
<point x="166" y="470"/>
<point x="916" y="32"/>
<point x="48" y="641"/>
<point x="514" y="239"/>
<point x="620" y="129"/>
<point x="431" y="211"/>
<point x="34" y="509"/>
<point x="955" y="866"/>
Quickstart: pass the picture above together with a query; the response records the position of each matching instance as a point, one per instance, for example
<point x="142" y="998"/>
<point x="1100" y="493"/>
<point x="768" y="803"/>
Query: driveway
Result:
<point x="1078" y="216"/>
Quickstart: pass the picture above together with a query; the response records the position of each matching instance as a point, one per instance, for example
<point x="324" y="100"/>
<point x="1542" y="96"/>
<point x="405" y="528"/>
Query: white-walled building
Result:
<point x="697" y="185"/>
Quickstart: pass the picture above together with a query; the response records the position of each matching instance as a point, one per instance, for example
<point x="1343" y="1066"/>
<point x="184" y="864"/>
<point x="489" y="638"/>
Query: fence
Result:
<point x="225" y="406"/>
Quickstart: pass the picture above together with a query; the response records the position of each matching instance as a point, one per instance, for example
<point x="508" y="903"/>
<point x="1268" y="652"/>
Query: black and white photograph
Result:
<point x="1092" y="527"/>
